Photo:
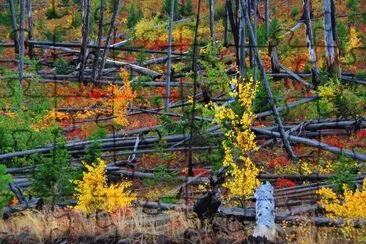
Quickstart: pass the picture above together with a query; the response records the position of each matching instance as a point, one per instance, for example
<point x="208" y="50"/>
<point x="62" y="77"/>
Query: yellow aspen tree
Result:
<point x="240" y="140"/>
<point x="94" y="194"/>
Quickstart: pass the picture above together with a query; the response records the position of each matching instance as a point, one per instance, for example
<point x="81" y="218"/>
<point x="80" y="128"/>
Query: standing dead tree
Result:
<point x="21" y="41"/>
<point x="84" y="42"/>
<point x="169" y="61"/>
<point x="329" y="38"/>
<point x="100" y="36"/>
<point x="212" y="20"/>
<point x="310" y="41"/>
<point x="266" y="83"/>
<point x="14" y="25"/>
<point x="30" y="27"/>
<point x="109" y="37"/>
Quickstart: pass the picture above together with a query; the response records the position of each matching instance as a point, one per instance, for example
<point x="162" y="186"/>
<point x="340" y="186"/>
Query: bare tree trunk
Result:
<point x="328" y="37"/>
<point x="30" y="28"/>
<point x="242" y="40"/>
<point x="266" y="21"/>
<point x="234" y="29"/>
<point x="109" y="37"/>
<point x="226" y="27"/>
<point x="274" y="61"/>
<point x="84" y="42"/>
<point x="250" y="50"/>
<point x="21" y="41"/>
<point x="267" y="86"/>
<point x="212" y="20"/>
<point x="310" y="40"/>
<point x="14" y="25"/>
<point x="169" y="63"/>
<point x="255" y="25"/>
<point x="195" y="71"/>
<point x="265" y="212"/>
<point x="335" y="40"/>
<point x="100" y="36"/>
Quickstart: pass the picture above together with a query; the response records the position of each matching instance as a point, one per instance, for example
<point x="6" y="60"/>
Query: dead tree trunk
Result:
<point x="21" y="41"/>
<point x="14" y="25"/>
<point x="30" y="28"/>
<point x="267" y="86"/>
<point x="328" y="38"/>
<point x="310" y="41"/>
<point x="265" y="212"/>
<point x="169" y="63"/>
<point x="274" y="61"/>
<point x="335" y="40"/>
<point x="266" y="18"/>
<point x="255" y="25"/>
<point x="109" y="37"/>
<point x="100" y="36"/>
<point x="242" y="40"/>
<point x="226" y="31"/>
<point x="195" y="71"/>
<point x="84" y="42"/>
<point x="212" y="20"/>
<point x="234" y="29"/>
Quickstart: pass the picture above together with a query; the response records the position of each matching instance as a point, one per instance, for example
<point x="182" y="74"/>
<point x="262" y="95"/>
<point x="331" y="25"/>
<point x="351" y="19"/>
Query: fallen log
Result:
<point x="313" y="143"/>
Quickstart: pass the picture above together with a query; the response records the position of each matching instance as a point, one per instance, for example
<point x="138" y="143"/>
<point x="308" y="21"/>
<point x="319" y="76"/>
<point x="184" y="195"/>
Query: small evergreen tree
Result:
<point x="134" y="16"/>
<point x="186" y="8"/>
<point x="166" y="7"/>
<point x="5" y="194"/>
<point x="53" y="178"/>
<point x="94" y="151"/>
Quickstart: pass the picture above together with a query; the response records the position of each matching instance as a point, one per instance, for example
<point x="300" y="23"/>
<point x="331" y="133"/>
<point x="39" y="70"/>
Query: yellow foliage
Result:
<point x="243" y="179"/>
<point x="49" y="118"/>
<point x="94" y="194"/>
<point x="145" y="30"/>
<point x="120" y="99"/>
<point x="349" y="205"/>
<point x="327" y="92"/>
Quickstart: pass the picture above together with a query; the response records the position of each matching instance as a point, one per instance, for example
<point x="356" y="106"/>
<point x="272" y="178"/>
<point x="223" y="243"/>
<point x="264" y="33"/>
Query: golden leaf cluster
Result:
<point x="120" y="99"/>
<point x="349" y="205"/>
<point x="94" y="194"/>
<point x="241" y="140"/>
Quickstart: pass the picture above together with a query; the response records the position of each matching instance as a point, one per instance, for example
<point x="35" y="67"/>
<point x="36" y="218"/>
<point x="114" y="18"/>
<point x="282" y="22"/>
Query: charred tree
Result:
<point x="310" y="42"/>
<point x="267" y="86"/>
<point x="84" y="42"/>
<point x="100" y="36"/>
<point x="109" y="37"/>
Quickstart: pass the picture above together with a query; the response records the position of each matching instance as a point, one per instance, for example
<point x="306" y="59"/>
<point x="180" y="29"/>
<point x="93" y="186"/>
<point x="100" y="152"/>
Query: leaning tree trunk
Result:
<point x="100" y="36"/>
<point x="255" y="25"/>
<point x="109" y="37"/>
<point x="267" y="86"/>
<point x="234" y="29"/>
<point x="310" y="41"/>
<point x="84" y="42"/>
<point x="14" y="25"/>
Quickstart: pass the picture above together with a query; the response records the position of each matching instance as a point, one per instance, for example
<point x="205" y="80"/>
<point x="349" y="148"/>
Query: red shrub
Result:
<point x="282" y="182"/>
<point x="361" y="133"/>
